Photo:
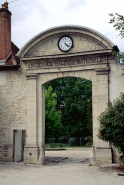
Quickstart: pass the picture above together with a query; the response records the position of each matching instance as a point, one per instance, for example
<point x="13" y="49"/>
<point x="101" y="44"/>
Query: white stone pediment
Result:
<point x="80" y="44"/>
<point x="84" y="40"/>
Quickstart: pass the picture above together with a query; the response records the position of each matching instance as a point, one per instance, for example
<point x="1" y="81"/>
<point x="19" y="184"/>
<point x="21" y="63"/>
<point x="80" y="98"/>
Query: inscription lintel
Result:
<point x="67" y="62"/>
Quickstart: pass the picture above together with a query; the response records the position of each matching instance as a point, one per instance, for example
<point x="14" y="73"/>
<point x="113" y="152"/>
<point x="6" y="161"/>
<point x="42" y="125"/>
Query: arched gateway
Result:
<point x="67" y="51"/>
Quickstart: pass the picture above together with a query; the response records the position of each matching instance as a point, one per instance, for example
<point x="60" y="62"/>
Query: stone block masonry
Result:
<point x="13" y="110"/>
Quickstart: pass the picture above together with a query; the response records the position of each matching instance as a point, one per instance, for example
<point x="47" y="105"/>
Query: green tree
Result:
<point x="118" y="21"/>
<point x="89" y="117"/>
<point x="53" y="126"/>
<point x="73" y="96"/>
<point x="112" y="125"/>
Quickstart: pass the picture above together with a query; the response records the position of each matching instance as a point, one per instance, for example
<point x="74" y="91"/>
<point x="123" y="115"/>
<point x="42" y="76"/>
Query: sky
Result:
<point x="30" y="17"/>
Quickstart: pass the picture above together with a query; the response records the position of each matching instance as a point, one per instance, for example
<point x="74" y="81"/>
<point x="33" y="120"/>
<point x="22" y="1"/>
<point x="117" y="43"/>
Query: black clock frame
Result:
<point x="61" y="38"/>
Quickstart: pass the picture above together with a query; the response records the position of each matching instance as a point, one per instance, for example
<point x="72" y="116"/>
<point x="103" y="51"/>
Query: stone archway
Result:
<point x="43" y="61"/>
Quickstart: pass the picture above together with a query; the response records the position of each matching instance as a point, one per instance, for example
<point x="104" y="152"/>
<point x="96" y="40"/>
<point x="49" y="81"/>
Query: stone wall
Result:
<point x="13" y="109"/>
<point x="116" y="80"/>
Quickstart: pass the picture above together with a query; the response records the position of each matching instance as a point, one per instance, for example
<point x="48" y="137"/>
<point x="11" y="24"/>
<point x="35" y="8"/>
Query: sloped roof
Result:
<point x="12" y="58"/>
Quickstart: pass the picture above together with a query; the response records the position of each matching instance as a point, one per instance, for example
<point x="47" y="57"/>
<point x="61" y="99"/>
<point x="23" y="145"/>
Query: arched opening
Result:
<point x="68" y="120"/>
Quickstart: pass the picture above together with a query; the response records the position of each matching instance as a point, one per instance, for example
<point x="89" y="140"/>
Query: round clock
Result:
<point x="65" y="43"/>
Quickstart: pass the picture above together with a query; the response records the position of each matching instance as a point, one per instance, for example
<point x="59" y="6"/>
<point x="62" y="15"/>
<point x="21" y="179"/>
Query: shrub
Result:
<point x="112" y="125"/>
<point x="72" y="141"/>
<point x="89" y="144"/>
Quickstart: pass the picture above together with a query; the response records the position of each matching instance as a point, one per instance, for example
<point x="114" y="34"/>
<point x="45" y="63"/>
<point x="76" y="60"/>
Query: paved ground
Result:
<point x="68" y="167"/>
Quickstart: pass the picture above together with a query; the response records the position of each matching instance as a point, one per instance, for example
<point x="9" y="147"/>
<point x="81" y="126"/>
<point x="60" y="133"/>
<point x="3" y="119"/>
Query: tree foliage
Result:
<point x="118" y="21"/>
<point x="112" y="125"/>
<point x="53" y="126"/>
<point x="89" y="116"/>
<point x="73" y="97"/>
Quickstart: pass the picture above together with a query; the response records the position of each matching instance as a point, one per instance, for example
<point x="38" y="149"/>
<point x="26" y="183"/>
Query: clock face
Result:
<point x="65" y="43"/>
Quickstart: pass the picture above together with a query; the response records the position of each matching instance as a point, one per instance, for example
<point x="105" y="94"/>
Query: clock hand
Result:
<point x="66" y="44"/>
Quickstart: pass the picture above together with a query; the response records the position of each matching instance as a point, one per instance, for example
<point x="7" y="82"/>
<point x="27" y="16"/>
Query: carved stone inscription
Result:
<point x="67" y="62"/>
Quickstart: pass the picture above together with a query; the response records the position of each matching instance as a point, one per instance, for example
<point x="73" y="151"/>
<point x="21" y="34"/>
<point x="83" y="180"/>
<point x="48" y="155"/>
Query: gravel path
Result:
<point x="69" y="167"/>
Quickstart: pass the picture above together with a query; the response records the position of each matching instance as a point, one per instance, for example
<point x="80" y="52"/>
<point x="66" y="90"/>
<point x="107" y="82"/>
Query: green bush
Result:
<point x="51" y="140"/>
<point x="112" y="125"/>
<point x="72" y="141"/>
<point x="89" y="144"/>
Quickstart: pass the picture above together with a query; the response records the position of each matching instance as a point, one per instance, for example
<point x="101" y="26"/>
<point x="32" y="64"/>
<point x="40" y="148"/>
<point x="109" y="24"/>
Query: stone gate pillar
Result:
<point x="31" y="148"/>
<point x="101" y="149"/>
<point x="41" y="121"/>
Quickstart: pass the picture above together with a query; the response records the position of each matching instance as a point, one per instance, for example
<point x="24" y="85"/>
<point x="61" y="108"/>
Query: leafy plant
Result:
<point x="89" y="144"/>
<point x="53" y="126"/>
<point x="72" y="141"/>
<point x="112" y="125"/>
<point x="118" y="21"/>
